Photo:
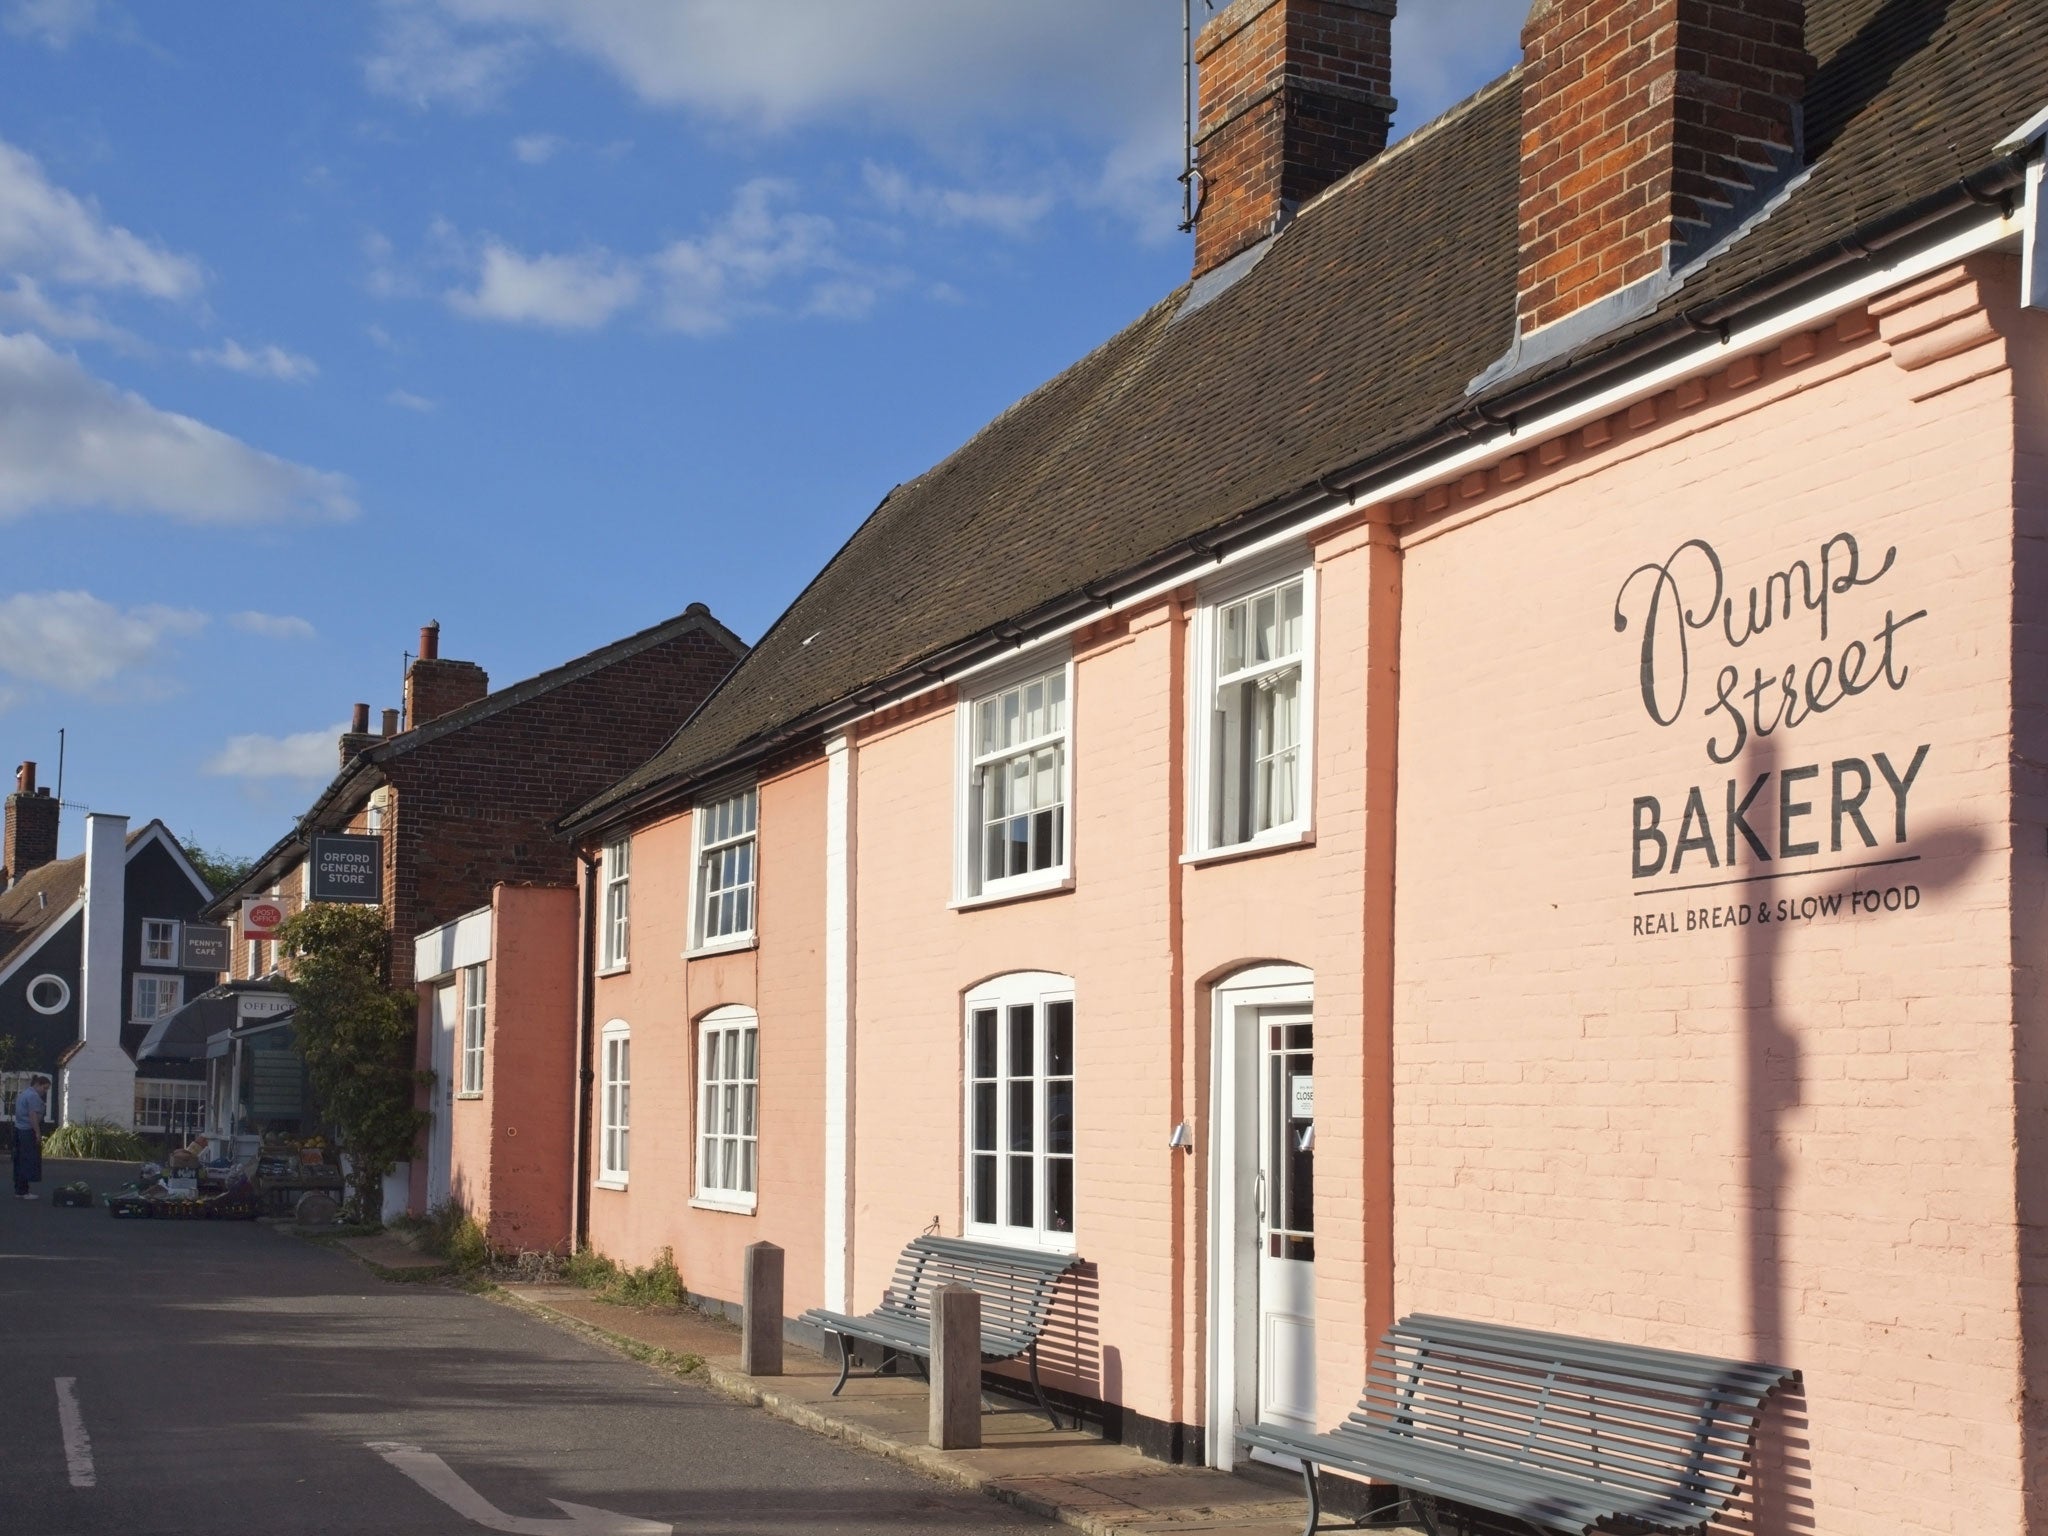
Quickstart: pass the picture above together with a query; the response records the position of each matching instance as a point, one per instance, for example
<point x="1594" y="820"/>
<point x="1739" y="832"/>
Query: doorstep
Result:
<point x="1066" y="1475"/>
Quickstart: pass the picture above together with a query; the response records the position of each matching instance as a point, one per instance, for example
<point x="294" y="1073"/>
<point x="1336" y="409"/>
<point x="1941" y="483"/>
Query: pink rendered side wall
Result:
<point x="2029" y="334"/>
<point x="1144" y="939"/>
<point x="662" y="996"/>
<point x="529" y="1068"/>
<point x="1787" y="1140"/>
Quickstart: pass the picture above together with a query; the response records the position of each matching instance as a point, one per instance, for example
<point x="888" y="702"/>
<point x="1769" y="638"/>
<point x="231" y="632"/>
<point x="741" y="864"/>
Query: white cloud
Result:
<point x="1009" y="213"/>
<point x="734" y="268"/>
<point x="27" y="305"/>
<point x="272" y="626"/>
<point x="421" y="60"/>
<point x="50" y="232"/>
<point x="302" y="755"/>
<point x="75" y="642"/>
<point x="536" y="148"/>
<point x="70" y="439"/>
<point x="567" y="293"/>
<point x="265" y="362"/>
<point x="55" y="22"/>
<point x="406" y="400"/>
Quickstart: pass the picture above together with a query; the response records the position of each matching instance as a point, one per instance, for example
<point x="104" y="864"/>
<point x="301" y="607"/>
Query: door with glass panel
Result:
<point x="1020" y="1111"/>
<point x="1284" y="1203"/>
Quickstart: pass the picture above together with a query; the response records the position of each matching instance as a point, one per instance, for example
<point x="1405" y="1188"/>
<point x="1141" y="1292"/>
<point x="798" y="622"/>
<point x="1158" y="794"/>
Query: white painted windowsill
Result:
<point x="469" y="1093"/>
<point x="1293" y="837"/>
<point x="1003" y="1238"/>
<point x="724" y="946"/>
<point x="609" y="1181"/>
<point x="732" y="1205"/>
<point x="615" y="970"/>
<point x="1050" y="884"/>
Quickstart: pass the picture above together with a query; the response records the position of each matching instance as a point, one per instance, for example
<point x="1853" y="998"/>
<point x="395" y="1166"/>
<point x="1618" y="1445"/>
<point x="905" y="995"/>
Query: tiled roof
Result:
<point x="35" y="901"/>
<point x="1354" y="337"/>
<point x="336" y="803"/>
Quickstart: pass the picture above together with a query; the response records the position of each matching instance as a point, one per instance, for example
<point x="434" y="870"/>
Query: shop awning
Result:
<point x="184" y="1033"/>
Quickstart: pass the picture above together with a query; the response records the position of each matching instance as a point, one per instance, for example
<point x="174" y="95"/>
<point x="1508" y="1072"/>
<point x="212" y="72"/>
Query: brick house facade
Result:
<point x="465" y="787"/>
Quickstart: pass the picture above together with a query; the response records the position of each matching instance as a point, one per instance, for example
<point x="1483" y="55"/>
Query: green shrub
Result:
<point x="660" y="1284"/>
<point x="450" y="1232"/>
<point x="98" y="1139"/>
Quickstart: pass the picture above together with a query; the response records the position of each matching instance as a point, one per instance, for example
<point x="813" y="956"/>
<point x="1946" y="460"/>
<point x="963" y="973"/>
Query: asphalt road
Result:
<point x="231" y="1380"/>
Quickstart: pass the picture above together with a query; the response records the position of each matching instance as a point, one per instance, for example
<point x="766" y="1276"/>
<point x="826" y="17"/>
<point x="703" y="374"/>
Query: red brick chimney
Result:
<point x="1292" y="95"/>
<point x="357" y="736"/>
<point x="29" y="839"/>
<point x="435" y="687"/>
<point x="1650" y="128"/>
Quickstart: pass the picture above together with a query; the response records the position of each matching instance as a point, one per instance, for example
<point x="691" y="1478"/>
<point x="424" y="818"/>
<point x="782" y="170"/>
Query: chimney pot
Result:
<point x="359" y="720"/>
<point x="390" y="722"/>
<point x="430" y="640"/>
<point x="25" y="779"/>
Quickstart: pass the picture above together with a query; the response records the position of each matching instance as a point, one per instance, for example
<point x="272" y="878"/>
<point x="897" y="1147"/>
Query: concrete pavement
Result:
<point x="1063" y="1475"/>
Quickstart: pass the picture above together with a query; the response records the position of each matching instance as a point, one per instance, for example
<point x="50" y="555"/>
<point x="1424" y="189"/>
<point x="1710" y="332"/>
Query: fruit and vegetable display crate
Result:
<point x="229" y="1205"/>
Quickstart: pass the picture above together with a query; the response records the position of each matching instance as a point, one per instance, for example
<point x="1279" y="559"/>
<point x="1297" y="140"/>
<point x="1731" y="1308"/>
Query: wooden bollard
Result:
<point x="956" y="1368"/>
<point x="761" y="1314"/>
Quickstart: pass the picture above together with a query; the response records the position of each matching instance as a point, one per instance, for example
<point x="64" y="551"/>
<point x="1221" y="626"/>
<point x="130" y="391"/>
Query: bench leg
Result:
<point x="845" y="1361"/>
<point x="1315" y="1498"/>
<point x="1051" y="1417"/>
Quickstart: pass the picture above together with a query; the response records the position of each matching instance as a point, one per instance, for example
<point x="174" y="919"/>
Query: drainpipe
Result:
<point x="586" y="1007"/>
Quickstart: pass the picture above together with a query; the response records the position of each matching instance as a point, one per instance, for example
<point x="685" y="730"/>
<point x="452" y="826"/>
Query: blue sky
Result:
<point x="542" y="318"/>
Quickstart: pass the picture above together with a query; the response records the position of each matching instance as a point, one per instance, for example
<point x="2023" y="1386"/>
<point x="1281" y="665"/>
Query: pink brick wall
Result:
<point x="662" y="996"/>
<point x="1790" y="1140"/>
<point x="1145" y="938"/>
<point x="529" y="1066"/>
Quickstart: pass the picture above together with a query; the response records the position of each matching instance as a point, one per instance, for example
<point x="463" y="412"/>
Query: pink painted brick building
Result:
<point x="1429" y="777"/>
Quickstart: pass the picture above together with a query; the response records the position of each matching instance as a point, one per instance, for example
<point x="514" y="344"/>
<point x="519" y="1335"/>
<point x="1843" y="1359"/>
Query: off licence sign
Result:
<point x="347" y="868"/>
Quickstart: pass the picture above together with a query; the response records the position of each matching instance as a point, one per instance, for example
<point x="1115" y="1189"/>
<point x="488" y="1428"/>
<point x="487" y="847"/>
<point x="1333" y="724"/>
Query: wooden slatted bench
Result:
<point x="1017" y="1287"/>
<point x="1563" y="1434"/>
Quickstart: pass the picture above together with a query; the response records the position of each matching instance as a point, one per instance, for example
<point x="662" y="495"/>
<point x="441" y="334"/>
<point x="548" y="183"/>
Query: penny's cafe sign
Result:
<point x="1746" y="666"/>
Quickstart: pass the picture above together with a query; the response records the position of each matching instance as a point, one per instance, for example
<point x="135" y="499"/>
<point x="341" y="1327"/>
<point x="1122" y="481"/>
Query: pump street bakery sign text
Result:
<point x="1743" y="665"/>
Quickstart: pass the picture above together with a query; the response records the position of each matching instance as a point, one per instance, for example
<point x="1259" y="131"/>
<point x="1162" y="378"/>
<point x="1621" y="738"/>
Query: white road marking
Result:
<point x="445" y="1484"/>
<point x="77" y="1444"/>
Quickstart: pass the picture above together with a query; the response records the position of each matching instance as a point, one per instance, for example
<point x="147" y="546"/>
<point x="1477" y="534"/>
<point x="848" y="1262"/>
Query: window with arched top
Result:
<point x="728" y="1108"/>
<point x="1020" y="1175"/>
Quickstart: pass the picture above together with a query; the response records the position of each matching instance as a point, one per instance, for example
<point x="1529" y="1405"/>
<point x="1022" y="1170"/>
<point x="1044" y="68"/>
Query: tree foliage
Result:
<point x="355" y="1035"/>
<point x="222" y="871"/>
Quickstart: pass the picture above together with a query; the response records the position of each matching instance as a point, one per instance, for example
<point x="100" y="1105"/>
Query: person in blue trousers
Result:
<point x="30" y="1105"/>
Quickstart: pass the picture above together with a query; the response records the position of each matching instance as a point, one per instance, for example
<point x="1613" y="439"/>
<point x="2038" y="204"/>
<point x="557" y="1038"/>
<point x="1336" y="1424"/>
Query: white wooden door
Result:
<point x="1285" y="1207"/>
<point x="440" y="1141"/>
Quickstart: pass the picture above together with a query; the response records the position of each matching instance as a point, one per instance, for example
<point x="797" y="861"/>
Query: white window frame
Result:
<point x="728" y="1109"/>
<point x="614" y="1105"/>
<point x="63" y="994"/>
<point x="616" y="909"/>
<point x="701" y="855"/>
<point x="475" y="1015"/>
<point x="1203" y="782"/>
<point x="1019" y="989"/>
<point x="151" y="928"/>
<point x="155" y="984"/>
<point x="156" y="1095"/>
<point x="970" y="886"/>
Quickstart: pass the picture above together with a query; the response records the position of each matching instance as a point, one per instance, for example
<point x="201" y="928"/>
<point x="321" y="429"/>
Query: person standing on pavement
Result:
<point x="29" y="1107"/>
